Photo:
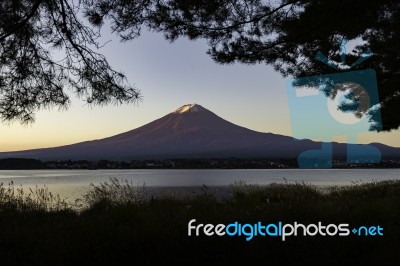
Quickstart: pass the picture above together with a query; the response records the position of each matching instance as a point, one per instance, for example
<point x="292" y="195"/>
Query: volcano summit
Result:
<point x="190" y="131"/>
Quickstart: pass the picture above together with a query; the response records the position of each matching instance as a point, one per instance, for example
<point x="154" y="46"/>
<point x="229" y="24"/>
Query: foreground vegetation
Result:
<point x="121" y="224"/>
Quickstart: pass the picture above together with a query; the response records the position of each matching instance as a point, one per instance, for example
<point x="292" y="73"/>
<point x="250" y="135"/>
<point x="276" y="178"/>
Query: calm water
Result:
<point x="71" y="184"/>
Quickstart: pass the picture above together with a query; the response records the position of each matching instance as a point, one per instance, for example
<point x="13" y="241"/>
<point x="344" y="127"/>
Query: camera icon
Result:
<point x="325" y="107"/>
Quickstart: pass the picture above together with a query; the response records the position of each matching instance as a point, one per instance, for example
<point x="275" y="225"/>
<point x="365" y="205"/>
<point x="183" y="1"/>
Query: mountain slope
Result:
<point x="190" y="131"/>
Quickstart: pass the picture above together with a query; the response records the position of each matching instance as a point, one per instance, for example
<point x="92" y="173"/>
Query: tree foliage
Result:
<point x="46" y="50"/>
<point x="285" y="33"/>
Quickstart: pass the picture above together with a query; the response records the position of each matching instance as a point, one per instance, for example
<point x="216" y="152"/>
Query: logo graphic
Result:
<point x="340" y="105"/>
<point x="279" y="229"/>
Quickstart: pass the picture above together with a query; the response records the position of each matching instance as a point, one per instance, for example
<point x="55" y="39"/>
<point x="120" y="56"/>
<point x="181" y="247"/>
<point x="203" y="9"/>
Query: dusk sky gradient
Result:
<point x="169" y="76"/>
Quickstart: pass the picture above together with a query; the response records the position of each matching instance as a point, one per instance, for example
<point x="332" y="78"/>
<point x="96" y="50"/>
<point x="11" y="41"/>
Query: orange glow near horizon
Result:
<point x="169" y="76"/>
<point x="79" y="124"/>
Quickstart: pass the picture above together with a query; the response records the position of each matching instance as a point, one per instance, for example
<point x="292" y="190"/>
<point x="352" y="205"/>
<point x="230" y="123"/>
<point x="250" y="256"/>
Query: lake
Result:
<point x="71" y="184"/>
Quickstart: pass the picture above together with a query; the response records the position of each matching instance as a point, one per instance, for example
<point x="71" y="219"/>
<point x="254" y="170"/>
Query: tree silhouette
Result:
<point x="285" y="33"/>
<point x="33" y="77"/>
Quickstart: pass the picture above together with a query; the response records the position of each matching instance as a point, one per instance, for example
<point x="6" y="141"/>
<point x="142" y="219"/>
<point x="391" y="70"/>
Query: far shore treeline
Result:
<point x="205" y="163"/>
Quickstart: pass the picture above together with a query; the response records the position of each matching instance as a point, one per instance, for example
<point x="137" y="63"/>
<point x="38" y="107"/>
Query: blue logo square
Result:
<point x="314" y="113"/>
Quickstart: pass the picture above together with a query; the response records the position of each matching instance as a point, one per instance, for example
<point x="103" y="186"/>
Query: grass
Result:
<point x="38" y="199"/>
<point x="122" y="224"/>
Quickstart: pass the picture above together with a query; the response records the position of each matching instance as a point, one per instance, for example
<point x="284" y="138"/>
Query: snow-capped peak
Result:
<point x="190" y="108"/>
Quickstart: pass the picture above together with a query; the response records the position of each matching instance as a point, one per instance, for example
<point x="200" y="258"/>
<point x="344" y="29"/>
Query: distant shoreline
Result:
<point x="217" y="163"/>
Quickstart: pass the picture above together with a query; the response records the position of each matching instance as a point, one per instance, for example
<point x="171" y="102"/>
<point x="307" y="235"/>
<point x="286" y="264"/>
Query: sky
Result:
<point x="170" y="75"/>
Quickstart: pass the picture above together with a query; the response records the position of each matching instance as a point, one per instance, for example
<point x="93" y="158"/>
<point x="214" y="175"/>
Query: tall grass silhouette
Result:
<point x="120" y="223"/>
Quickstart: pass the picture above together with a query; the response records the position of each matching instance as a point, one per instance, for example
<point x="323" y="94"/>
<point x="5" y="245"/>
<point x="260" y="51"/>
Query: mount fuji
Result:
<point x="190" y="131"/>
